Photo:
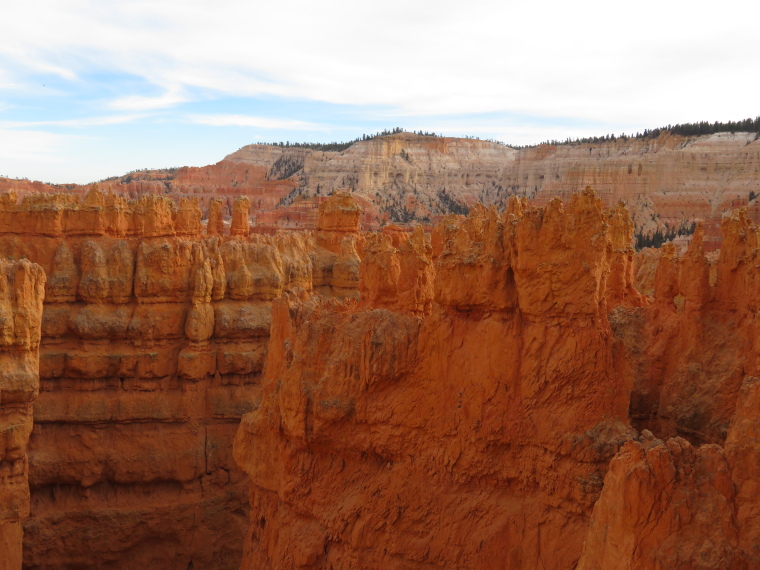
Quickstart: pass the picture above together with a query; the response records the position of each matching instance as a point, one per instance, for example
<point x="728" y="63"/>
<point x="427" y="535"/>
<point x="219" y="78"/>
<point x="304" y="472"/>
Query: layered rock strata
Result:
<point x="405" y="177"/>
<point x="472" y="409"/>
<point x="688" y="497"/>
<point x="22" y="287"/>
<point x="457" y="399"/>
<point x="154" y="336"/>
<point x="461" y="415"/>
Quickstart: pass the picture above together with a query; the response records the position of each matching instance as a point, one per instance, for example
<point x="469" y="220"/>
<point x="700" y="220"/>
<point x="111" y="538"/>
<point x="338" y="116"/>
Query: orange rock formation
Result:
<point x="448" y="420"/>
<point x="406" y="177"/>
<point x="21" y="291"/>
<point x="466" y="398"/>
<point x="472" y="410"/>
<point x="153" y="341"/>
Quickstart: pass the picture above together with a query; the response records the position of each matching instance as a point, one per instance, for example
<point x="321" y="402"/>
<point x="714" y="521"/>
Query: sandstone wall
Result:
<point x="461" y="399"/>
<point x="669" y="504"/>
<point x="688" y="498"/>
<point x="696" y="341"/>
<point x="153" y="340"/>
<point x="406" y="177"/>
<point x="21" y="291"/>
<point x="449" y="419"/>
<point x="664" y="180"/>
<point x="472" y="409"/>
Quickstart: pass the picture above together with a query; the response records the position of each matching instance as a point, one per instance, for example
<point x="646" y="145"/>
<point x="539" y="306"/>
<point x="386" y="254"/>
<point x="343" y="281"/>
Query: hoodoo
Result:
<point x="515" y="389"/>
<point x="472" y="410"/>
<point x="21" y="291"/>
<point x="153" y="338"/>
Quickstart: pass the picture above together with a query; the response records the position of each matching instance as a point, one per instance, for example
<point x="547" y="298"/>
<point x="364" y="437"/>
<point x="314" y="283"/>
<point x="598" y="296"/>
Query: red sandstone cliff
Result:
<point x="406" y="177"/>
<point x="468" y="412"/>
<point x="463" y="399"/>
<point x="153" y="340"/>
<point x="21" y="291"/>
<point x="449" y="419"/>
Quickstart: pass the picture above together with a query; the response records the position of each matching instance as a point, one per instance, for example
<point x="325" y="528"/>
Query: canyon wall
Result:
<point x="688" y="497"/>
<point x="404" y="178"/>
<point x="511" y="390"/>
<point x="476" y="408"/>
<point x="461" y="415"/>
<point x="21" y="291"/>
<point x="154" y="335"/>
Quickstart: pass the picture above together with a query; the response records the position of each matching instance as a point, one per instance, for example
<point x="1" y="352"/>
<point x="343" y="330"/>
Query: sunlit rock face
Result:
<point x="667" y="182"/>
<point x="476" y="407"/>
<point x="516" y="388"/>
<point x="153" y="337"/>
<point x="22" y="287"/>
<point x="461" y="414"/>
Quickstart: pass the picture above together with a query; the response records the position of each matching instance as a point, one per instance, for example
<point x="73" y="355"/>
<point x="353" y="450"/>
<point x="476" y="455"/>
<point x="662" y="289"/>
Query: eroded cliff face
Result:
<point x="465" y="398"/>
<point x="154" y="336"/>
<point x="689" y="497"/>
<point x="472" y="409"/>
<point x="404" y="177"/>
<point x="22" y="286"/>
<point x="669" y="504"/>
<point x="695" y="342"/>
<point x="448" y="419"/>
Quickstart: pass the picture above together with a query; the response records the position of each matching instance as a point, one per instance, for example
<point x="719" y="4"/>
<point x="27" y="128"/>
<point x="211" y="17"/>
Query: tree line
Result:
<point x="341" y="146"/>
<point x="683" y="129"/>
<point x="660" y="236"/>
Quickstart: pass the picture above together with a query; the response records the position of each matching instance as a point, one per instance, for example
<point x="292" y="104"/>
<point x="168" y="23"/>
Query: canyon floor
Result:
<point x="517" y="387"/>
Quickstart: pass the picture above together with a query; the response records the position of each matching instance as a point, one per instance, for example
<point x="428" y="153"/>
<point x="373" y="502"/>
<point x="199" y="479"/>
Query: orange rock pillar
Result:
<point x="22" y="288"/>
<point x="240" y="222"/>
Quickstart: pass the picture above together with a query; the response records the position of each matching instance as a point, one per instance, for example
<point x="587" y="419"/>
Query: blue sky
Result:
<point x="90" y="89"/>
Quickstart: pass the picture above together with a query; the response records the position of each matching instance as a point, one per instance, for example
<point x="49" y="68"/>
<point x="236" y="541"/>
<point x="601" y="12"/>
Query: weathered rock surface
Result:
<point x="692" y="498"/>
<point x="406" y="177"/>
<point x="448" y="420"/>
<point x="466" y="398"/>
<point x="22" y="287"/>
<point x="153" y="341"/>
<point x="471" y="411"/>
<point x="672" y="505"/>
<point x="694" y="343"/>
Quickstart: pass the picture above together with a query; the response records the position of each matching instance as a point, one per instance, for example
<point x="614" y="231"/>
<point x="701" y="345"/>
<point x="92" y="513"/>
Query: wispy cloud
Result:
<point x="75" y="123"/>
<point x="147" y="103"/>
<point x="30" y="145"/>
<point x="252" y="121"/>
<point x="539" y="70"/>
<point x="586" y="60"/>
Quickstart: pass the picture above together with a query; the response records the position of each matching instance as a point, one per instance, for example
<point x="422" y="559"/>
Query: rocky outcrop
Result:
<point x="665" y="505"/>
<point x="689" y="499"/>
<point x="154" y="336"/>
<point x="694" y="343"/>
<point x="471" y="410"/>
<point x="22" y="287"/>
<point x="672" y="505"/>
<point x="669" y="180"/>
<point x="467" y="397"/>
<point x="335" y="256"/>
<point x="449" y="419"/>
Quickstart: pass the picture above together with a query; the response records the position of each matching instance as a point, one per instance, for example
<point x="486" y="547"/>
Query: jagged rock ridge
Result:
<point x="472" y="410"/>
<point x="153" y="337"/>
<point x="468" y="398"/>
<point x="667" y="182"/>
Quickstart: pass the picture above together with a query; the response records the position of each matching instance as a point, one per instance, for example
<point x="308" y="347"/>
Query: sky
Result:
<point x="97" y="88"/>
